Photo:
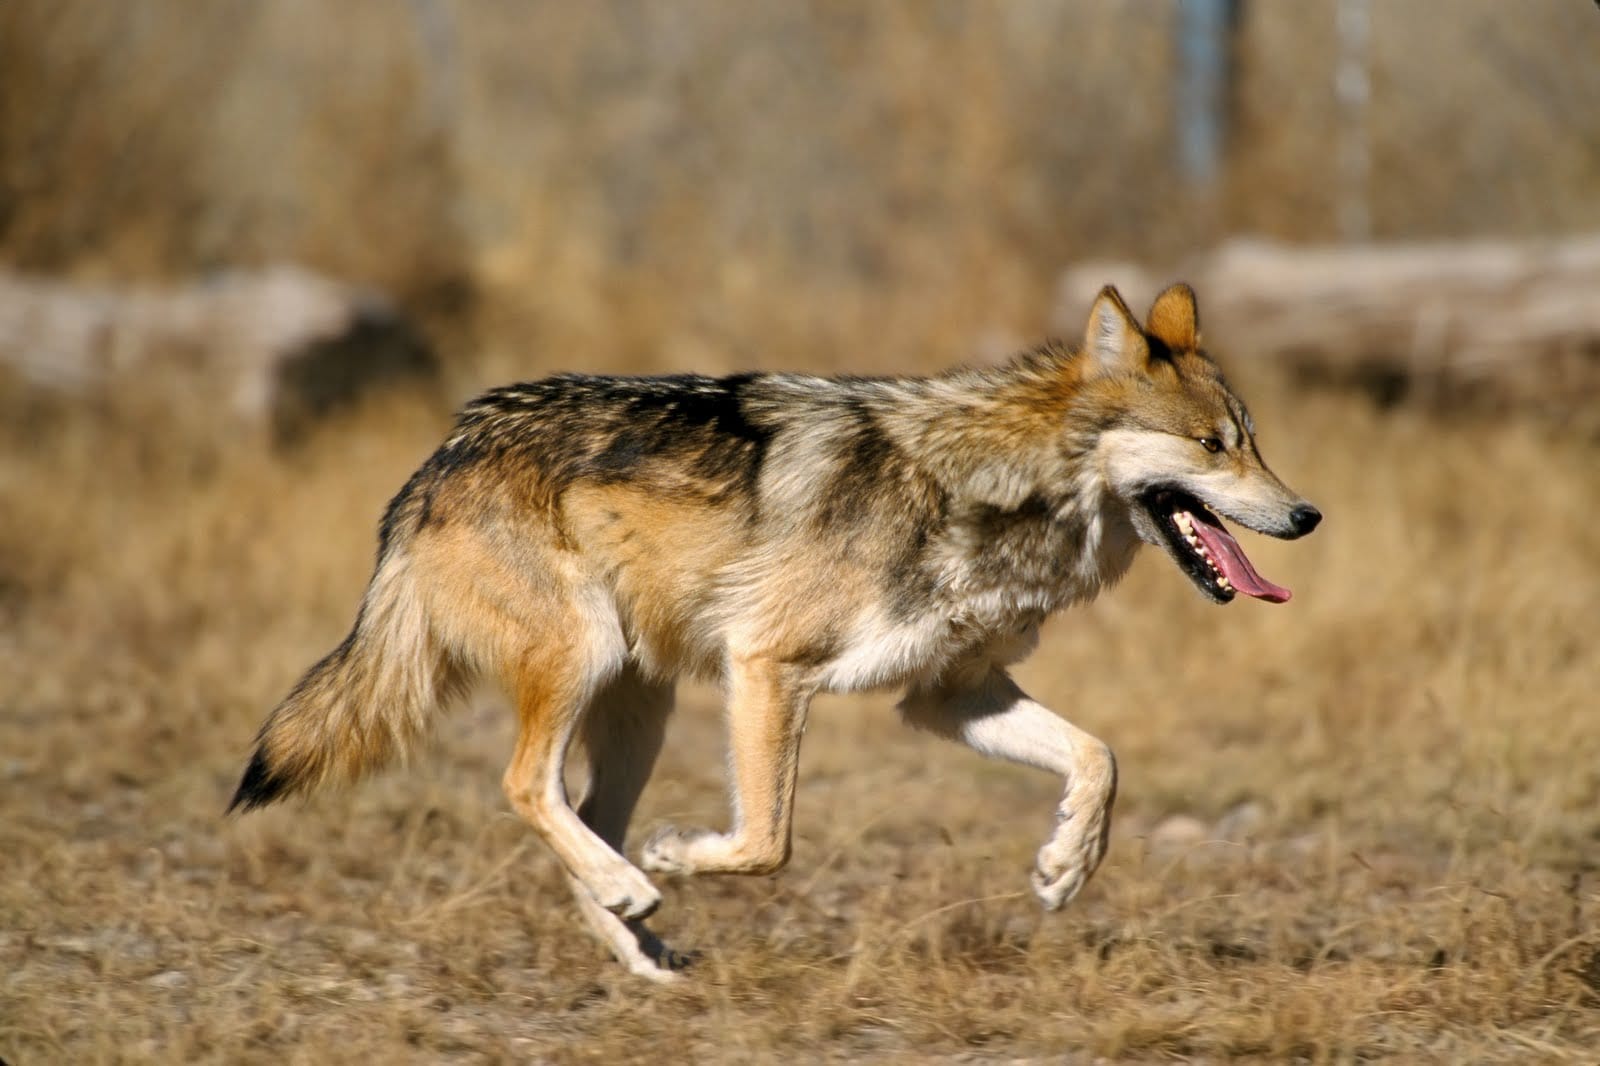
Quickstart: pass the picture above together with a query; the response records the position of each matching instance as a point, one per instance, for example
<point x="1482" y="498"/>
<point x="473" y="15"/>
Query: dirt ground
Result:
<point x="1363" y="825"/>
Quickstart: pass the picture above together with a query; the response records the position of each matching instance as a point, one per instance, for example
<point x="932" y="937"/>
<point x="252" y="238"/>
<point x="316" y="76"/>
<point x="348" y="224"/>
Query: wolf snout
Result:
<point x="1303" y="519"/>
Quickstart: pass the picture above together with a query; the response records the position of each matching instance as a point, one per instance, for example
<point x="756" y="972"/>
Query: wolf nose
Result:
<point x="1304" y="519"/>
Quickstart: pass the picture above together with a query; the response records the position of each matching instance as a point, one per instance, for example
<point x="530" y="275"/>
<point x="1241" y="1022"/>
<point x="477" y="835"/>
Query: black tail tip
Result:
<point x="260" y="785"/>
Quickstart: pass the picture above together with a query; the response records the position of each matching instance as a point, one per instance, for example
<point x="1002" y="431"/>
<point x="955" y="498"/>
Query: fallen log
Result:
<point x="1494" y="324"/>
<point x="270" y="350"/>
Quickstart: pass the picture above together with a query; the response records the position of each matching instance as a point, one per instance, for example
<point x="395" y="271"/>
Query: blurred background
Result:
<point x="1360" y="826"/>
<point x="643" y="186"/>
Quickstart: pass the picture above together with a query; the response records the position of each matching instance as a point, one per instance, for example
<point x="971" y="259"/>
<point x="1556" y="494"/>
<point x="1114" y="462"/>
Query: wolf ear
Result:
<point x="1113" y="339"/>
<point x="1174" y="320"/>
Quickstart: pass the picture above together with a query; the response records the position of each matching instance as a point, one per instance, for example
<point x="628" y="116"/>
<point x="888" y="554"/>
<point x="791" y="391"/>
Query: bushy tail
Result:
<point x="366" y="702"/>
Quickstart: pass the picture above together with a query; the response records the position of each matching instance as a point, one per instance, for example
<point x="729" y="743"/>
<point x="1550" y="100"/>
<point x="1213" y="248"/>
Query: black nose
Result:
<point x="1304" y="519"/>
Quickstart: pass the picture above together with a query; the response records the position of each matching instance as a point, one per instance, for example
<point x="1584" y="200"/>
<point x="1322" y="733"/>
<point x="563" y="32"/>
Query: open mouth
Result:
<point x="1204" y="548"/>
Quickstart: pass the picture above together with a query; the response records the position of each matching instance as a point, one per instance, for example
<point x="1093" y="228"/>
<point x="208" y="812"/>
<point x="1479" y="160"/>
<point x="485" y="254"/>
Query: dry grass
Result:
<point x="907" y="167"/>
<point x="1359" y="826"/>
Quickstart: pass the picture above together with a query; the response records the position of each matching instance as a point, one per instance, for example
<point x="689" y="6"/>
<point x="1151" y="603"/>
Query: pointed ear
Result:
<point x="1174" y="320"/>
<point x="1113" y="339"/>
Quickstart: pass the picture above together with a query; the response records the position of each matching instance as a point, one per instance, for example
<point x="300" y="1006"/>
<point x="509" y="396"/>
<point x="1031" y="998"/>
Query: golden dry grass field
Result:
<point x="1364" y="825"/>
<point x="1360" y="826"/>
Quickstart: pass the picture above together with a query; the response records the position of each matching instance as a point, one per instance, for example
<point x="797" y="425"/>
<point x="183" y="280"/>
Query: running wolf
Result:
<point x="583" y="541"/>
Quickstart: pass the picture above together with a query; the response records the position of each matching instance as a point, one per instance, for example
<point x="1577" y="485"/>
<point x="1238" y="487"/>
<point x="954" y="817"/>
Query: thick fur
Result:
<point x="583" y="541"/>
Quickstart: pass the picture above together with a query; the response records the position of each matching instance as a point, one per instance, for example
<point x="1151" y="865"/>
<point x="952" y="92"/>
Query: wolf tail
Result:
<point x="366" y="702"/>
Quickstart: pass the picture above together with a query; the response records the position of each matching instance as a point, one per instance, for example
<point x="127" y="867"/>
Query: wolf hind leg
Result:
<point x="766" y="716"/>
<point x="622" y="732"/>
<point x="629" y="940"/>
<point x="553" y="684"/>
<point x="991" y="715"/>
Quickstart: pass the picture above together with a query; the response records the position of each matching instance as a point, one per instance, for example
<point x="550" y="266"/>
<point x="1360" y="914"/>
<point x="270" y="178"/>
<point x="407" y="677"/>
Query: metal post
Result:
<point x="1205" y="59"/>
<point x="1353" y="90"/>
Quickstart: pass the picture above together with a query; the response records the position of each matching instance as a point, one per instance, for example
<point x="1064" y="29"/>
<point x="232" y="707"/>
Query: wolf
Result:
<point x="583" y="541"/>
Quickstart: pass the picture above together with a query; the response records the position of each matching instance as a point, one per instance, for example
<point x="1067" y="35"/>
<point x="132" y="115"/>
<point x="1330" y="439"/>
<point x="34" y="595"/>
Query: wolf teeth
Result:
<point x="1185" y="526"/>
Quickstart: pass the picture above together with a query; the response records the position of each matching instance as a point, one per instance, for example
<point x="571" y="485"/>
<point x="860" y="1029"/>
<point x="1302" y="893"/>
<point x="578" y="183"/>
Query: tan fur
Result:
<point x="1174" y="319"/>
<point x="584" y="541"/>
<point x="624" y="535"/>
<point x="393" y="672"/>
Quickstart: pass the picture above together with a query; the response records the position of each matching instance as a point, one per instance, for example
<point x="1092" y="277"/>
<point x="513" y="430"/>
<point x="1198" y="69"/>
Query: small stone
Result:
<point x="1179" y="831"/>
<point x="169" y="979"/>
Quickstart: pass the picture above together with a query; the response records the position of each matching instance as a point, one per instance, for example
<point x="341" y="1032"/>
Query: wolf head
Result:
<point x="1178" y="448"/>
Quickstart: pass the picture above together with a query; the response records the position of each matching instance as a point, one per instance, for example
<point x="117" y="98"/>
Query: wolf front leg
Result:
<point x="766" y="715"/>
<point x="985" y="710"/>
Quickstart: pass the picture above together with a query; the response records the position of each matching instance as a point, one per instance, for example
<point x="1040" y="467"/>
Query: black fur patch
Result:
<point x="912" y="584"/>
<point x="416" y="495"/>
<point x="868" y="463"/>
<point x="611" y="429"/>
<point x="260" y="786"/>
<point x="681" y="414"/>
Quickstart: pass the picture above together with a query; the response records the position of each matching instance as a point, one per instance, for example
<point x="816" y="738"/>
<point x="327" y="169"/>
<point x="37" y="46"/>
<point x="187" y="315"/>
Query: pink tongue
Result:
<point x="1230" y="559"/>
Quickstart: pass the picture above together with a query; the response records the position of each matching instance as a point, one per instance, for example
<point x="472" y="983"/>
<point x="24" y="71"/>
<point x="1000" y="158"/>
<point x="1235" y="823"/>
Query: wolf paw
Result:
<point x="628" y="894"/>
<point x="654" y="960"/>
<point x="1060" y="870"/>
<point x="669" y="849"/>
<point x="1055" y="891"/>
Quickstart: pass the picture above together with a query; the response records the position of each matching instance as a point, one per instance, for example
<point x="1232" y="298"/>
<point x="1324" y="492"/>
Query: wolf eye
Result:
<point x="1211" y="444"/>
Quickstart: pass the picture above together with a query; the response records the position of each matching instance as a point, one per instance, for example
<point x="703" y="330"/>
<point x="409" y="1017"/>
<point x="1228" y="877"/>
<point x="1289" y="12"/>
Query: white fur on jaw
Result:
<point x="1133" y="460"/>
